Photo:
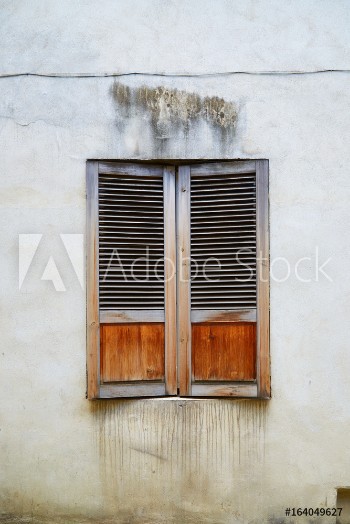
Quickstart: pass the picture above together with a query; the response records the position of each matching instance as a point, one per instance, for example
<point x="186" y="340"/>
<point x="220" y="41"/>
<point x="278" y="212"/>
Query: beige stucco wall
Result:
<point x="215" y="461"/>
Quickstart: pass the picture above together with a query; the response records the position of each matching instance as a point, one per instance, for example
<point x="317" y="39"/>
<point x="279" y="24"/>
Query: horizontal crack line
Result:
<point x="176" y="75"/>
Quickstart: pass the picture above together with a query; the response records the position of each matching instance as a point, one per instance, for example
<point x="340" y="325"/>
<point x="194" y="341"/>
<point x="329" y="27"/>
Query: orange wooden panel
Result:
<point x="224" y="351"/>
<point x="132" y="352"/>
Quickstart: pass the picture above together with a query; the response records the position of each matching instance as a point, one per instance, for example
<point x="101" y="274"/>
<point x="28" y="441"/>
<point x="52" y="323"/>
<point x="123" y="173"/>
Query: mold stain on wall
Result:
<point x="174" y="114"/>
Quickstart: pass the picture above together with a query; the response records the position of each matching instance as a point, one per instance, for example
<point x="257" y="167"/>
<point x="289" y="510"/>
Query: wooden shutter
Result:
<point x="131" y="302"/>
<point x="223" y="271"/>
<point x="204" y="331"/>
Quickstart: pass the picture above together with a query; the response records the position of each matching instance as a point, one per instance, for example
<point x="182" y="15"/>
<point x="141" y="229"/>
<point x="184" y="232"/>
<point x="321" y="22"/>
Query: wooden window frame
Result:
<point x="177" y="312"/>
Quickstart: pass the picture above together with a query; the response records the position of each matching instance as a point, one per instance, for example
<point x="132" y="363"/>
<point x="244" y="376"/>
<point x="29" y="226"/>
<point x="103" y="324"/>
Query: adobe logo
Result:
<point x="73" y="244"/>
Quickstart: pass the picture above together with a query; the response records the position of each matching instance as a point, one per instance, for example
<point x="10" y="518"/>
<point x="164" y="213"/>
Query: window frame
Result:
<point x="177" y="308"/>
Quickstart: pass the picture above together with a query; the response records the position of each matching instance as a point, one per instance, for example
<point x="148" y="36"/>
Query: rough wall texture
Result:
<point x="64" y="459"/>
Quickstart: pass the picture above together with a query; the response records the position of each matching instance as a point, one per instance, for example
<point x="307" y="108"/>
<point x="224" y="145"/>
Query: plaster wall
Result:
<point x="66" y="459"/>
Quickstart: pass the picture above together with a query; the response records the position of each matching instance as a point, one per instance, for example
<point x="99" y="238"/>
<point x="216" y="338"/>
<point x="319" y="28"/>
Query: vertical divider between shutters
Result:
<point x="170" y="280"/>
<point x="183" y="210"/>
<point x="263" y="272"/>
<point x="92" y="309"/>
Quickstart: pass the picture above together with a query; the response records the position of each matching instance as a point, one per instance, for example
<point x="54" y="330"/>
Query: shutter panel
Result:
<point x="219" y="338"/>
<point x="136" y="299"/>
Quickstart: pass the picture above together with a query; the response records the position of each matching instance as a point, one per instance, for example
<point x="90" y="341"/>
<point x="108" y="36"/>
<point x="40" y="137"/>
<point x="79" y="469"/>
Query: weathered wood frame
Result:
<point x="263" y="279"/>
<point x="183" y="216"/>
<point x="94" y="316"/>
<point x="92" y="301"/>
<point x="260" y="388"/>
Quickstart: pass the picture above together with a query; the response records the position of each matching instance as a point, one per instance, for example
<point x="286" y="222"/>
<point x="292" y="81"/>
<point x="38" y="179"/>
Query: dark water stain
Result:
<point x="189" y="443"/>
<point x="172" y="111"/>
<point x="278" y="520"/>
<point x="121" y="517"/>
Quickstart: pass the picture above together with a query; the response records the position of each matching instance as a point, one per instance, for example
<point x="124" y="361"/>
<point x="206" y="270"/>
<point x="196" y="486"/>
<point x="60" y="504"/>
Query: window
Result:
<point x="178" y="280"/>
